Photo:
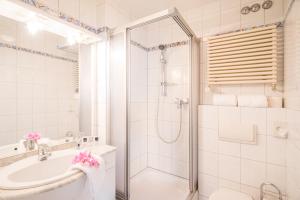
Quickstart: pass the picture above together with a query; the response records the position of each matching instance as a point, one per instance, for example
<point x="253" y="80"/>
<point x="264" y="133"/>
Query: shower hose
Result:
<point x="171" y="141"/>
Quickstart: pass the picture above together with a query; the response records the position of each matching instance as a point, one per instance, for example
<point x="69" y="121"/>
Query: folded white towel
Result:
<point x="95" y="179"/>
<point x="224" y="100"/>
<point x="258" y="101"/>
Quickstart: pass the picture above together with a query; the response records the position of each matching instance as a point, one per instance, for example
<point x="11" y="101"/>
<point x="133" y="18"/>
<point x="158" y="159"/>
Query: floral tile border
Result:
<point x="155" y="48"/>
<point x="63" y="16"/>
<point x="17" y="48"/>
<point x="134" y="43"/>
<point x="170" y="45"/>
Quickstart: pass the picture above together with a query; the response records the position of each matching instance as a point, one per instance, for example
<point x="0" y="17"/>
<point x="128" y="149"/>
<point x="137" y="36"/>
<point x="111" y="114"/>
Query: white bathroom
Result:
<point x="143" y="100"/>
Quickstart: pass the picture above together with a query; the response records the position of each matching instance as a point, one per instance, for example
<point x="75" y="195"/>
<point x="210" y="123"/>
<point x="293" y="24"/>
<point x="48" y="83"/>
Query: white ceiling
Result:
<point x="141" y="8"/>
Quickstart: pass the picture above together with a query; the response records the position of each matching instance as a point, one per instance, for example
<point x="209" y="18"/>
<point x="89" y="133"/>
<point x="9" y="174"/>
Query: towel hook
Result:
<point x="269" y="184"/>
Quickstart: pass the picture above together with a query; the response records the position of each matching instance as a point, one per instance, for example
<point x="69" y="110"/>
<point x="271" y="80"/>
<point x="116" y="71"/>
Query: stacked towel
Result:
<point x="257" y="101"/>
<point x="224" y="100"/>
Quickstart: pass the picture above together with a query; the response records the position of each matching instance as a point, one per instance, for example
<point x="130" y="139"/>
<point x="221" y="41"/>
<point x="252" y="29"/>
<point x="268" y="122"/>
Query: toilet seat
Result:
<point x="226" y="194"/>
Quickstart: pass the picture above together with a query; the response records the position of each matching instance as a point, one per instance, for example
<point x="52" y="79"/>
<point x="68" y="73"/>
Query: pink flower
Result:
<point x="86" y="158"/>
<point x="35" y="136"/>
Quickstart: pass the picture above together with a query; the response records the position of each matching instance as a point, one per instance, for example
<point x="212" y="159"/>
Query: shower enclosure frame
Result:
<point x="194" y="93"/>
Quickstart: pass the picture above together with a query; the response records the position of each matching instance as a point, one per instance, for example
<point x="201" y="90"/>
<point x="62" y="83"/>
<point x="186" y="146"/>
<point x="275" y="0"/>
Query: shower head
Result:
<point x="161" y="47"/>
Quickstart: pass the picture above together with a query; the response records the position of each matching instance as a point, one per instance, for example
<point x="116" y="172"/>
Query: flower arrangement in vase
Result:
<point x="31" y="140"/>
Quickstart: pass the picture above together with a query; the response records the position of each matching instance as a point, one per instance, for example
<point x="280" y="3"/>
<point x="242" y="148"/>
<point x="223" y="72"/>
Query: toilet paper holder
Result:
<point x="262" y="194"/>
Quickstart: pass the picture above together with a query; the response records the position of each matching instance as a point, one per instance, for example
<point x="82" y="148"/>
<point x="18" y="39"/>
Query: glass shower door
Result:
<point x="158" y="108"/>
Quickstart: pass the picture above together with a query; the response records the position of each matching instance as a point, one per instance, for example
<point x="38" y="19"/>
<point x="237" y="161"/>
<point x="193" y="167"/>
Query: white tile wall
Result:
<point x="222" y="16"/>
<point x="269" y="159"/>
<point x="207" y="185"/>
<point x="253" y="173"/>
<point x="171" y="158"/>
<point x="292" y="99"/>
<point x="208" y="163"/>
<point x="145" y="89"/>
<point x="36" y="91"/>
<point x="138" y="111"/>
<point x="85" y="10"/>
<point x="229" y="168"/>
<point x="242" y="167"/>
<point x="110" y="14"/>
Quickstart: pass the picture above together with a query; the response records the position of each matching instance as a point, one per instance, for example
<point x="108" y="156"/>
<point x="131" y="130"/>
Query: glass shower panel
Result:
<point x="158" y="107"/>
<point x="118" y="115"/>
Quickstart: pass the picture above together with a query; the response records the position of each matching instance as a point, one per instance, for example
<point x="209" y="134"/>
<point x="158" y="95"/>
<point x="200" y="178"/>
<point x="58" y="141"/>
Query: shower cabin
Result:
<point x="154" y="74"/>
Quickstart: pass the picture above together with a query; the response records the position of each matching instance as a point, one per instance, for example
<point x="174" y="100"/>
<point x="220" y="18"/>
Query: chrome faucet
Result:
<point x="180" y="102"/>
<point x="43" y="152"/>
<point x="78" y="139"/>
<point x="29" y="145"/>
<point x="68" y="135"/>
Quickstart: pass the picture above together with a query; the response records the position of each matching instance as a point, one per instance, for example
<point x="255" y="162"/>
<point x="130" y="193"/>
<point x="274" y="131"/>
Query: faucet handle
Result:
<point x="43" y="152"/>
<point x="69" y="134"/>
<point x="79" y="139"/>
<point x="43" y="149"/>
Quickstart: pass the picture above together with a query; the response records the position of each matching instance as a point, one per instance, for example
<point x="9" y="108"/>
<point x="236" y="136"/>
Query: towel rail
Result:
<point x="244" y="57"/>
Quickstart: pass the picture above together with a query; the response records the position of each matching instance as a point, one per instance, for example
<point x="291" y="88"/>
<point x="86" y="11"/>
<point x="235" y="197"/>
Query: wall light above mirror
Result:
<point x="38" y="20"/>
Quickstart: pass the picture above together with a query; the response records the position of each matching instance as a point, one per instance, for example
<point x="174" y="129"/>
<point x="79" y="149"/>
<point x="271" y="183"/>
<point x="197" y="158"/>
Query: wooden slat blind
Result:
<point x="244" y="57"/>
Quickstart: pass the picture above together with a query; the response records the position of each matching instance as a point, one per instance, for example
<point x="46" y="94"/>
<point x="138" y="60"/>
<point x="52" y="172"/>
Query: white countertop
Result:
<point x="14" y="194"/>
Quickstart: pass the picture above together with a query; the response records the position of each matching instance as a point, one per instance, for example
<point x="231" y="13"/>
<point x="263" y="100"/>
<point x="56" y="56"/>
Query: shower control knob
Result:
<point x="185" y="101"/>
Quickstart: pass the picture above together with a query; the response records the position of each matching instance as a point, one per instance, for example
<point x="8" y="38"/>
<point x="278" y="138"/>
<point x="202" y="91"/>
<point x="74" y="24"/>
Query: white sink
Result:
<point x="31" y="172"/>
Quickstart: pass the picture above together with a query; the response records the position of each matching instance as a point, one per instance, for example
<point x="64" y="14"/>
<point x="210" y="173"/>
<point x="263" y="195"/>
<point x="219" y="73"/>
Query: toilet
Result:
<point x="226" y="194"/>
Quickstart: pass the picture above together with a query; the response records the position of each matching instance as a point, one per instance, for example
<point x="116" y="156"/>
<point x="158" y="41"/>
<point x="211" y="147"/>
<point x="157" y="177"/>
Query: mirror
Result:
<point x="39" y="82"/>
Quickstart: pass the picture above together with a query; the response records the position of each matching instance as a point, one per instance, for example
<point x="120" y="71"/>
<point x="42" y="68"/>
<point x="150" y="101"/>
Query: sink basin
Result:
<point x="31" y="172"/>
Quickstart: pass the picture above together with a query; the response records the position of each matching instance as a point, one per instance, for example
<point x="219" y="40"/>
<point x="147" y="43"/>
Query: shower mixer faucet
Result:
<point x="164" y="83"/>
<point x="180" y="102"/>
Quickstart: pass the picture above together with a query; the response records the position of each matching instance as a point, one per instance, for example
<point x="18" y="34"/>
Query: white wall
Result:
<point x="37" y="92"/>
<point x="146" y="148"/>
<point x="273" y="159"/>
<point x="85" y="10"/>
<point x="241" y="167"/>
<point x="233" y="165"/>
<point x="222" y="16"/>
<point x="96" y="13"/>
<point x="110" y="14"/>
<point x="292" y="99"/>
<point x="138" y="110"/>
<point x="118" y="98"/>
<point x="292" y="74"/>
<point x="171" y="158"/>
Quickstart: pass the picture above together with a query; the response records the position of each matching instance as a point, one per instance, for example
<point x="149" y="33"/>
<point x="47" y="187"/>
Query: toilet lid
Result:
<point x="226" y="194"/>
